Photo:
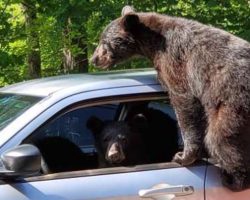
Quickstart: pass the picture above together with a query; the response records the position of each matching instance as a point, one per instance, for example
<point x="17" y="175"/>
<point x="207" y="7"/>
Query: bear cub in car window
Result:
<point x="141" y="139"/>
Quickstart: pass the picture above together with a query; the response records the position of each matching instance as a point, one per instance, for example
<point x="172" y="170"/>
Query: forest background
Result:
<point x="40" y="38"/>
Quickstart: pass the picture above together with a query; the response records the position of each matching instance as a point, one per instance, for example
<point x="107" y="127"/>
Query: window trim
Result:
<point x="122" y="99"/>
<point x="109" y="171"/>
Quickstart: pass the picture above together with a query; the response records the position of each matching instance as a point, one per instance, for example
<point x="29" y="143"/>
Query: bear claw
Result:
<point x="184" y="159"/>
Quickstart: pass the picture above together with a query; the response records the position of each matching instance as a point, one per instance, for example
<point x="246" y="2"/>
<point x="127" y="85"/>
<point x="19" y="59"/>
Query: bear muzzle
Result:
<point x="102" y="58"/>
<point x="115" y="153"/>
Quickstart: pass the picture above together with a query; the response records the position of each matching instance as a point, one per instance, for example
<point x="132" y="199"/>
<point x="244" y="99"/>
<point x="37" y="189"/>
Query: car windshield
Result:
<point x="13" y="105"/>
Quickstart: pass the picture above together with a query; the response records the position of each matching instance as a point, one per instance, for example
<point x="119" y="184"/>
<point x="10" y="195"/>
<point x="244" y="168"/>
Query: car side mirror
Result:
<point x="23" y="160"/>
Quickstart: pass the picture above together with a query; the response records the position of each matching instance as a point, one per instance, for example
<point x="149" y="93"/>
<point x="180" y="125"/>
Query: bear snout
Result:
<point x="115" y="153"/>
<point x="103" y="62"/>
<point x="102" y="57"/>
<point x="94" y="60"/>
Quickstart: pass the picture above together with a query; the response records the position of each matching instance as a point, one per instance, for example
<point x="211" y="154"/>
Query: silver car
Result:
<point x="59" y="107"/>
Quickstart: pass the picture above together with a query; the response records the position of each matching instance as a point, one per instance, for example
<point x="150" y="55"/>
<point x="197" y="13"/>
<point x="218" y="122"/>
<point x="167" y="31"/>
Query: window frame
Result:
<point x="102" y="101"/>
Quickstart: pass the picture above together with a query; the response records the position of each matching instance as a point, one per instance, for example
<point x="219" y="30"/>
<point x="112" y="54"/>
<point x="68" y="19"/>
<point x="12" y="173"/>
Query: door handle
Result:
<point x="166" y="192"/>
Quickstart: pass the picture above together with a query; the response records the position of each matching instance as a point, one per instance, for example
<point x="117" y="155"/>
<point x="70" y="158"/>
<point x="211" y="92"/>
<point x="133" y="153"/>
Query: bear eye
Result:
<point x="116" y="43"/>
<point x="105" y="140"/>
<point x="105" y="47"/>
<point x="119" y="40"/>
<point x="122" y="138"/>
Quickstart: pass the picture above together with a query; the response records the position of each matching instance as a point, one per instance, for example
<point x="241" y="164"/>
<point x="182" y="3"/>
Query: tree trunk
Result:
<point x="81" y="60"/>
<point x="74" y="63"/>
<point x="33" y="53"/>
<point x="68" y="61"/>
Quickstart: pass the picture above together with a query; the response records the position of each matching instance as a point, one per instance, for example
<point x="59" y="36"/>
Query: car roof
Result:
<point x="83" y="82"/>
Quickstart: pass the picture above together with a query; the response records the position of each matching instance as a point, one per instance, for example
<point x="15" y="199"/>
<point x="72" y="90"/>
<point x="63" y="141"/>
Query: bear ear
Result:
<point x="95" y="124"/>
<point x="127" y="9"/>
<point x="130" y="22"/>
<point x="139" y="122"/>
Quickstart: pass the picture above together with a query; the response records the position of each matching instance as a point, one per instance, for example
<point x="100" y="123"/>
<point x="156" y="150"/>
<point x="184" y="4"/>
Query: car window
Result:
<point x="13" y="105"/>
<point x="73" y="139"/>
<point x="162" y="105"/>
<point x="65" y="142"/>
<point x="72" y="125"/>
<point x="165" y="107"/>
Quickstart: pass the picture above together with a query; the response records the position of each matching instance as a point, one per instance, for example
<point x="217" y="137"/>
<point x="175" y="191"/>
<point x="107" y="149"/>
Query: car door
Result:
<point x="130" y="182"/>
<point x="107" y="184"/>
<point x="215" y="190"/>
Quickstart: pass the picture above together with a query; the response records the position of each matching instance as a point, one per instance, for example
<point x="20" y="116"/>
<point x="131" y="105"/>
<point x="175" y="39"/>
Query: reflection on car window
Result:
<point x="13" y="105"/>
<point x="65" y="143"/>
<point x="72" y="125"/>
<point x="164" y="107"/>
<point x="167" y="109"/>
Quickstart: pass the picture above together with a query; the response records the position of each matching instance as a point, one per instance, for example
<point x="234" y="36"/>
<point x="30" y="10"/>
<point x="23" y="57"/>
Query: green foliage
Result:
<point x="61" y="24"/>
<point x="12" y="44"/>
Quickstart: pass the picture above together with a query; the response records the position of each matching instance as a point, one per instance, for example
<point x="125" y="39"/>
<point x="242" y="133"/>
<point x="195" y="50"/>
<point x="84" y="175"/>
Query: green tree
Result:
<point x="33" y="44"/>
<point x="12" y="43"/>
<point x="44" y="38"/>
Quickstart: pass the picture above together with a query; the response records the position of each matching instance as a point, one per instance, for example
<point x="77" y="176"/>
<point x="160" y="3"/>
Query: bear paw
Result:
<point x="184" y="158"/>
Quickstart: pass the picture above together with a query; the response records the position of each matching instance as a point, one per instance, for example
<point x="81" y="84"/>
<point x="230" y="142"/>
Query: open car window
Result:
<point x="69" y="141"/>
<point x="72" y="125"/>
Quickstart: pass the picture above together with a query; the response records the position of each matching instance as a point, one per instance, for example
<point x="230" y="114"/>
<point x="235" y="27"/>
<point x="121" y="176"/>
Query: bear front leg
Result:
<point x="191" y="119"/>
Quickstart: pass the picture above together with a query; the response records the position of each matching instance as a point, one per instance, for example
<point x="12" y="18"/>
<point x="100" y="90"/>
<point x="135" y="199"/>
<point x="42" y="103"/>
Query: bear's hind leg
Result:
<point x="225" y="142"/>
